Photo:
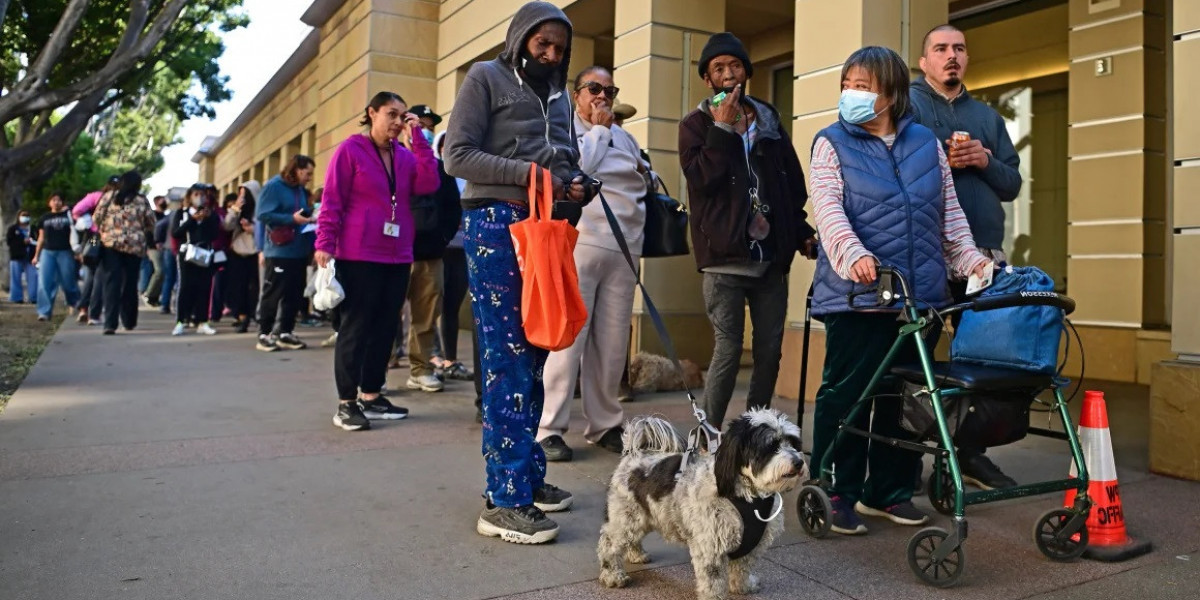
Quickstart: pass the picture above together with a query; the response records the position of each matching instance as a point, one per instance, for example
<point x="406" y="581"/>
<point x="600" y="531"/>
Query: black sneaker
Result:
<point x="266" y="343"/>
<point x="241" y="326"/>
<point x="611" y="440"/>
<point x="382" y="409"/>
<point x="556" y="449"/>
<point x="289" y="341"/>
<point x="919" y="482"/>
<point x="982" y="473"/>
<point x="903" y="513"/>
<point x="350" y="417"/>
<point x="552" y="498"/>
<point x="521" y="525"/>
<point x="843" y="519"/>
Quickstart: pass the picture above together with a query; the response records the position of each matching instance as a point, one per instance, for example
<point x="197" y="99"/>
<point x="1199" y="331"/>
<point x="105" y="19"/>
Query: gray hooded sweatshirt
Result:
<point x="500" y="125"/>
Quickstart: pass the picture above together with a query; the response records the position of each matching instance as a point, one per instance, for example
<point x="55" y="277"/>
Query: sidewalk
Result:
<point x="145" y="466"/>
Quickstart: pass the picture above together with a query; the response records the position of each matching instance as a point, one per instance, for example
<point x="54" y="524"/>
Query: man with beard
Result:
<point x="985" y="174"/>
<point x="747" y="197"/>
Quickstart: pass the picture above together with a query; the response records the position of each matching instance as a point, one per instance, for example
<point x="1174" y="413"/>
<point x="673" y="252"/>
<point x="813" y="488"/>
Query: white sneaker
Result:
<point x="179" y="329"/>
<point x="425" y="383"/>
<point x="206" y="329"/>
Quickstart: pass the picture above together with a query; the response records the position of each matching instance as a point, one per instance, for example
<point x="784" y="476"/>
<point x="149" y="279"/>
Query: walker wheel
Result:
<point x="941" y="490"/>
<point x="1051" y="538"/>
<point x="814" y="510"/>
<point x="943" y="573"/>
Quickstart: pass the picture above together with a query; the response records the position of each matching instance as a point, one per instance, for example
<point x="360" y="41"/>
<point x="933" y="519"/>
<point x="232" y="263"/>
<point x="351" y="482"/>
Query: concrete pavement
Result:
<point x="145" y="466"/>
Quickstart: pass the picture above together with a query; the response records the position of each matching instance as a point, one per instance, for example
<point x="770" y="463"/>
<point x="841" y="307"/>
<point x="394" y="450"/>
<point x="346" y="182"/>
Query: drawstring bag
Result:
<point x="1020" y="337"/>
<point x="552" y="309"/>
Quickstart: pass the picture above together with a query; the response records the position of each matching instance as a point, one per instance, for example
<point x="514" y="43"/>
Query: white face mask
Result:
<point x="23" y="220"/>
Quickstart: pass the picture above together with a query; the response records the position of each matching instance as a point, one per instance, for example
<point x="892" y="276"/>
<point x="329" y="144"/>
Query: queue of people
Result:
<point x="399" y="220"/>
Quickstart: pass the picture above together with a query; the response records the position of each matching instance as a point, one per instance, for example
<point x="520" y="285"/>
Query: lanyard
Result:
<point x="391" y="176"/>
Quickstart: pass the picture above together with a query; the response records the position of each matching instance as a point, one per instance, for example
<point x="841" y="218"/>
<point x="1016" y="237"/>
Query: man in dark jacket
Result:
<point x="985" y="171"/>
<point x="20" y="268"/>
<point x="436" y="218"/>
<point x="747" y="196"/>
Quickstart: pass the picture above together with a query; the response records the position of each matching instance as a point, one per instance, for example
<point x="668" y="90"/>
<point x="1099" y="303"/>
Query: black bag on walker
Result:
<point x="1020" y="337"/>
<point x="978" y="419"/>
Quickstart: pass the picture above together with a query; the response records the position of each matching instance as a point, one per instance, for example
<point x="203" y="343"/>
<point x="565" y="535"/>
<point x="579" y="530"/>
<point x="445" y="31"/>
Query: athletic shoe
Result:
<point x="164" y="310"/>
<point x="266" y="343"/>
<point x="425" y="383"/>
<point x="903" y="513"/>
<point x="241" y="326"/>
<point x="179" y="329"/>
<point x="289" y="341"/>
<point x="381" y="409"/>
<point x="459" y="372"/>
<point x="979" y="471"/>
<point x="110" y="332"/>
<point x="842" y="519"/>
<point x="43" y="318"/>
<point x="82" y="318"/>
<point x="205" y="329"/>
<point x="350" y="417"/>
<point x="521" y="525"/>
<point x="611" y="440"/>
<point x="330" y="341"/>
<point x="556" y="449"/>
<point x="93" y="322"/>
<point x="552" y="498"/>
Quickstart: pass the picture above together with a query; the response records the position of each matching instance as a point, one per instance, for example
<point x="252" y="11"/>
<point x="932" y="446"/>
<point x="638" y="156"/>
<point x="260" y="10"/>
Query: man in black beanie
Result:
<point x="747" y="196"/>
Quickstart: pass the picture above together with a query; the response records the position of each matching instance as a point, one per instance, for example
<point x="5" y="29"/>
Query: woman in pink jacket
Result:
<point x="366" y="225"/>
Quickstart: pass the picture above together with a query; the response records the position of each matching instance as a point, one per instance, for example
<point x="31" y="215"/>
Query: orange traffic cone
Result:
<point x="1107" y="539"/>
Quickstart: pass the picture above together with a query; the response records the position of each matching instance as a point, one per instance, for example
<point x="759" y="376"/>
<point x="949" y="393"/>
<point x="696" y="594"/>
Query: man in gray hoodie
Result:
<point x="984" y="169"/>
<point x="509" y="113"/>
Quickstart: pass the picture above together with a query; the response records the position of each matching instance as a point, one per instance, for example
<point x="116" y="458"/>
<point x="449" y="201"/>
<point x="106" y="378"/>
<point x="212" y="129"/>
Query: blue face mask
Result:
<point x="428" y="135"/>
<point x="857" y="106"/>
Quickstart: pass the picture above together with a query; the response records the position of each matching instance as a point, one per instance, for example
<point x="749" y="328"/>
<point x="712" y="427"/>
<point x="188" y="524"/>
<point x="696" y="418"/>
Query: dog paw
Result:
<point x="749" y="586"/>
<point x="637" y="556"/>
<point x="614" y="579"/>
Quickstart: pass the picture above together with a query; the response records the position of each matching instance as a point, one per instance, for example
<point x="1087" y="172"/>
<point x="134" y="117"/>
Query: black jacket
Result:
<point x="191" y="231"/>
<point x="18" y="249"/>
<point x="428" y="245"/>
<point x="719" y="177"/>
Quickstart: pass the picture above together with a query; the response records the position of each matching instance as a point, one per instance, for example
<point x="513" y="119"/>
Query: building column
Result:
<point x="654" y="54"/>
<point x="1116" y="173"/>
<point x="826" y="34"/>
<point x="1175" y="385"/>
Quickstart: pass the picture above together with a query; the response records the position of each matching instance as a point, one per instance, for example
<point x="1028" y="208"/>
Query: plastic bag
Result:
<point x="552" y="308"/>
<point x="328" y="293"/>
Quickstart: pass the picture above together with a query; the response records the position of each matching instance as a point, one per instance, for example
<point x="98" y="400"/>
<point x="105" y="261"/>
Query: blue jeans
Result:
<point x="146" y="270"/>
<point x="57" y="269"/>
<point x="170" y="267"/>
<point x="21" y="271"/>
<point x="511" y="368"/>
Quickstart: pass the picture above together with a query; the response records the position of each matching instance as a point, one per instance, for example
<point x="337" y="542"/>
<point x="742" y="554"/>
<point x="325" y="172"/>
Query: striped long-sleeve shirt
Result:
<point x="837" y="234"/>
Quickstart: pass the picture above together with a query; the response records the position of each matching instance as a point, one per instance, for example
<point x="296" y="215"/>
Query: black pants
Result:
<point x="453" y="293"/>
<point x="92" y="297"/>
<point x="217" y="306"/>
<point x="195" y="292"/>
<point x="283" y="291"/>
<point x="369" y="315"/>
<point x="120" y="272"/>
<point x="241" y="285"/>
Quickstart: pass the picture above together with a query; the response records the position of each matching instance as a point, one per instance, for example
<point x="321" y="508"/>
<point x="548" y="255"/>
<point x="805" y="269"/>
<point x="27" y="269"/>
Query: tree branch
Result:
<point x="131" y="51"/>
<point x="39" y="70"/>
<point x="57" y="138"/>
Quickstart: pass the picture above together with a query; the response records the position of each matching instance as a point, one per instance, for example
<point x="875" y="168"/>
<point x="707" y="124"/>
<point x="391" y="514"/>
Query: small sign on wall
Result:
<point x="1104" y="66"/>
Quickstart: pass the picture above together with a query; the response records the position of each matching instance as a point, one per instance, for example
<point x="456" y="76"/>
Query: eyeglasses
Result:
<point x="594" y="89"/>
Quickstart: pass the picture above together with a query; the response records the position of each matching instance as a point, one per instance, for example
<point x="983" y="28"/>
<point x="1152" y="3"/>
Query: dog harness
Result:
<point x="754" y="525"/>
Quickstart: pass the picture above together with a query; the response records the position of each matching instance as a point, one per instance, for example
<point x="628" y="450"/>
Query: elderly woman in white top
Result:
<point x="610" y="154"/>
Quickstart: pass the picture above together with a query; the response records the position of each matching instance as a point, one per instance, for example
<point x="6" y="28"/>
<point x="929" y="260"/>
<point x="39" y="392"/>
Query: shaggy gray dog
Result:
<point x="726" y="508"/>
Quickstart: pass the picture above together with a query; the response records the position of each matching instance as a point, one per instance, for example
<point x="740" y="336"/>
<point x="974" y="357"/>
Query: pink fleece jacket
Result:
<point x="357" y="203"/>
<point x="87" y="205"/>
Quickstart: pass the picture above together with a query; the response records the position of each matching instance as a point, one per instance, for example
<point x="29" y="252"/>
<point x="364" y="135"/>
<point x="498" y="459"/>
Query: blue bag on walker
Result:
<point x="1019" y="337"/>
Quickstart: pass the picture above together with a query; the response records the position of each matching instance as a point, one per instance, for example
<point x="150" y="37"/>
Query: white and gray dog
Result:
<point x="726" y="507"/>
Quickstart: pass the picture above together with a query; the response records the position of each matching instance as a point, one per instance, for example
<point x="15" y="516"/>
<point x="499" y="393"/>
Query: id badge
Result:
<point x="391" y="230"/>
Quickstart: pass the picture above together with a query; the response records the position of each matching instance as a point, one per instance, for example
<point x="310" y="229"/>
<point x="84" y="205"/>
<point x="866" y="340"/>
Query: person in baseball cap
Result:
<point x="429" y="119"/>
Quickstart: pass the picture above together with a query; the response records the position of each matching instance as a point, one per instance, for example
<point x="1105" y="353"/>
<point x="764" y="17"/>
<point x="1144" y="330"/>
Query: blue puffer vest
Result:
<point x="893" y="199"/>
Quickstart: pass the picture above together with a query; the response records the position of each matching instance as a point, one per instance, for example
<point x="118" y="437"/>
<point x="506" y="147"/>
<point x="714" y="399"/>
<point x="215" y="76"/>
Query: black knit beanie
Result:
<point x="721" y="44"/>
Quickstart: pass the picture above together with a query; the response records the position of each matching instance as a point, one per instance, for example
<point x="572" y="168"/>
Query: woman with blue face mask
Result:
<point x="882" y="195"/>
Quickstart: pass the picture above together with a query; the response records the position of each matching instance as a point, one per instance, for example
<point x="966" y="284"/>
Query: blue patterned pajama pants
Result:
<point x="511" y="367"/>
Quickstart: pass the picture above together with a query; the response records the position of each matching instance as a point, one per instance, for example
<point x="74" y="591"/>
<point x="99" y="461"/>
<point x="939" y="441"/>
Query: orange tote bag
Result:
<point x="552" y="309"/>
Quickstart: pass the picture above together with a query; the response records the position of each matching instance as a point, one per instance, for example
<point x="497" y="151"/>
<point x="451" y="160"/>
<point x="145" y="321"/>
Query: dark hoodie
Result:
<point x="980" y="191"/>
<point x="500" y="125"/>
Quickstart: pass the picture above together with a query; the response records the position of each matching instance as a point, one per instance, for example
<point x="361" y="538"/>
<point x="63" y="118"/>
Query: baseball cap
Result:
<point x="424" y="111"/>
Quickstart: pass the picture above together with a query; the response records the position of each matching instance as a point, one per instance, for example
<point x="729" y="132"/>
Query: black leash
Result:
<point x="711" y="435"/>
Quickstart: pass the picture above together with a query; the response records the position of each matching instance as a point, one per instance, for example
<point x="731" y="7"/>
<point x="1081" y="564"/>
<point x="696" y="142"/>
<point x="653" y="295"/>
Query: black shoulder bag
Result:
<point x="666" y="224"/>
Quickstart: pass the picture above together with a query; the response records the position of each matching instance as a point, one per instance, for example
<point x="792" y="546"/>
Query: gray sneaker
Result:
<point x="521" y="525"/>
<point x="903" y="513"/>
<point x="556" y="449"/>
<point x="552" y="498"/>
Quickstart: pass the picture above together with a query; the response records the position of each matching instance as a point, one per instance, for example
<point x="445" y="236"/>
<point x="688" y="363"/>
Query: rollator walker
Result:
<point x="949" y="395"/>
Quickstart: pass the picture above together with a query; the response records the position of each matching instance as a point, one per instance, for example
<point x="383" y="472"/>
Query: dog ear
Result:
<point x="727" y="467"/>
